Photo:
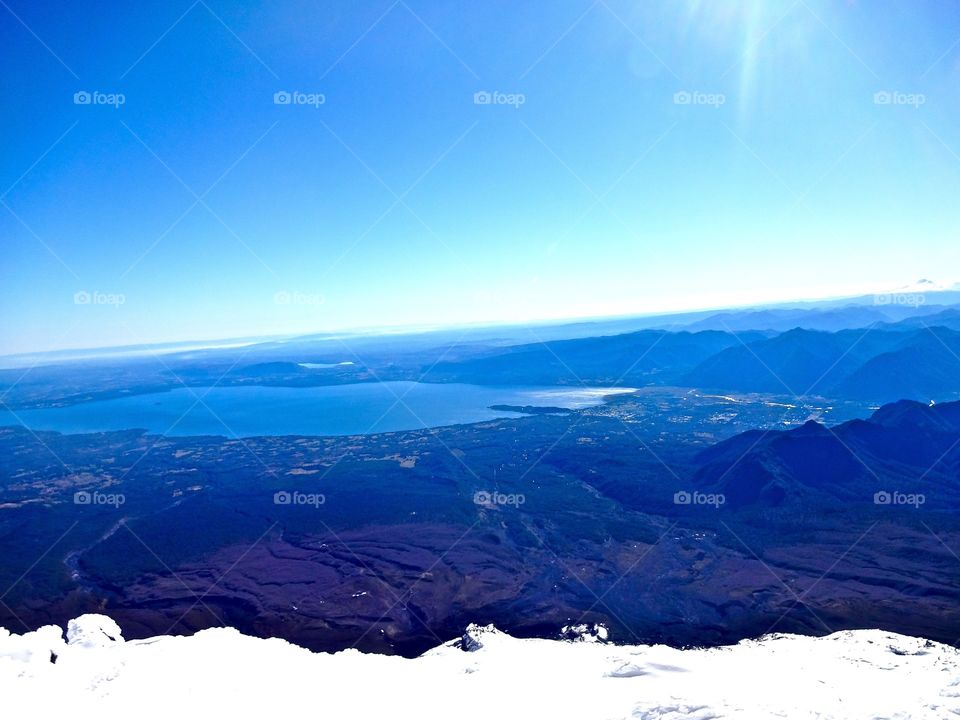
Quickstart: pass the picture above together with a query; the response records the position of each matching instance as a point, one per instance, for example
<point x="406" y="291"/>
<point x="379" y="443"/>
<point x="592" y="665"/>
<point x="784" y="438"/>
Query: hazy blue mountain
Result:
<point x="926" y="366"/>
<point x="949" y="318"/>
<point x="830" y="319"/>
<point x="879" y="365"/>
<point x="798" y="362"/>
<point x="645" y="357"/>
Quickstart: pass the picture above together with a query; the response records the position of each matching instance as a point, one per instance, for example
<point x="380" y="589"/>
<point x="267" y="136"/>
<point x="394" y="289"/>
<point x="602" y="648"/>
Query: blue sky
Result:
<point x="199" y="208"/>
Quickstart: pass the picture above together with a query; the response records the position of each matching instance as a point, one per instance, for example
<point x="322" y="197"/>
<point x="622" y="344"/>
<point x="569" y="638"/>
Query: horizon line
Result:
<point x="415" y="329"/>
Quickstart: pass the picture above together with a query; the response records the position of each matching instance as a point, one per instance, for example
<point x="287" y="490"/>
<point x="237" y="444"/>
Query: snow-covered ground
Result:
<point x="486" y="674"/>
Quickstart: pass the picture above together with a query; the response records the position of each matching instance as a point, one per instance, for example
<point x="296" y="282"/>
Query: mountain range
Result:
<point x="876" y="364"/>
<point x="906" y="447"/>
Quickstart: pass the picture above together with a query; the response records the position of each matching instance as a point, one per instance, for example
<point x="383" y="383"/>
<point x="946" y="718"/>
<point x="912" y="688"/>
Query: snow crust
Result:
<point x="93" y="672"/>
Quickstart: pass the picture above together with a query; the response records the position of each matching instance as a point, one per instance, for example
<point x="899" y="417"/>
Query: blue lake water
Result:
<point x="354" y="409"/>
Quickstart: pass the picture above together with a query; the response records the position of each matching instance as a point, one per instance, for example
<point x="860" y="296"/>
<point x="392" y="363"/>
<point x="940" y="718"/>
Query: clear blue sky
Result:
<point x="400" y="201"/>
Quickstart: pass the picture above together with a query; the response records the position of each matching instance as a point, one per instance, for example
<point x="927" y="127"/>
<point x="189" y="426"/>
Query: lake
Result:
<point x="353" y="409"/>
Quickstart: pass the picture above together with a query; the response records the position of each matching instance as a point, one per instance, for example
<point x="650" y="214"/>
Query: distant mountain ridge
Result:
<point x="830" y="319"/>
<point x="870" y="349"/>
<point x="876" y="364"/>
<point x="644" y="357"/>
<point x="872" y="364"/>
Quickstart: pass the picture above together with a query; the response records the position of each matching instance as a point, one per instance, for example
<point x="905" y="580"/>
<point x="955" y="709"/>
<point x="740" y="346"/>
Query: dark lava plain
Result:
<point x="394" y="542"/>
